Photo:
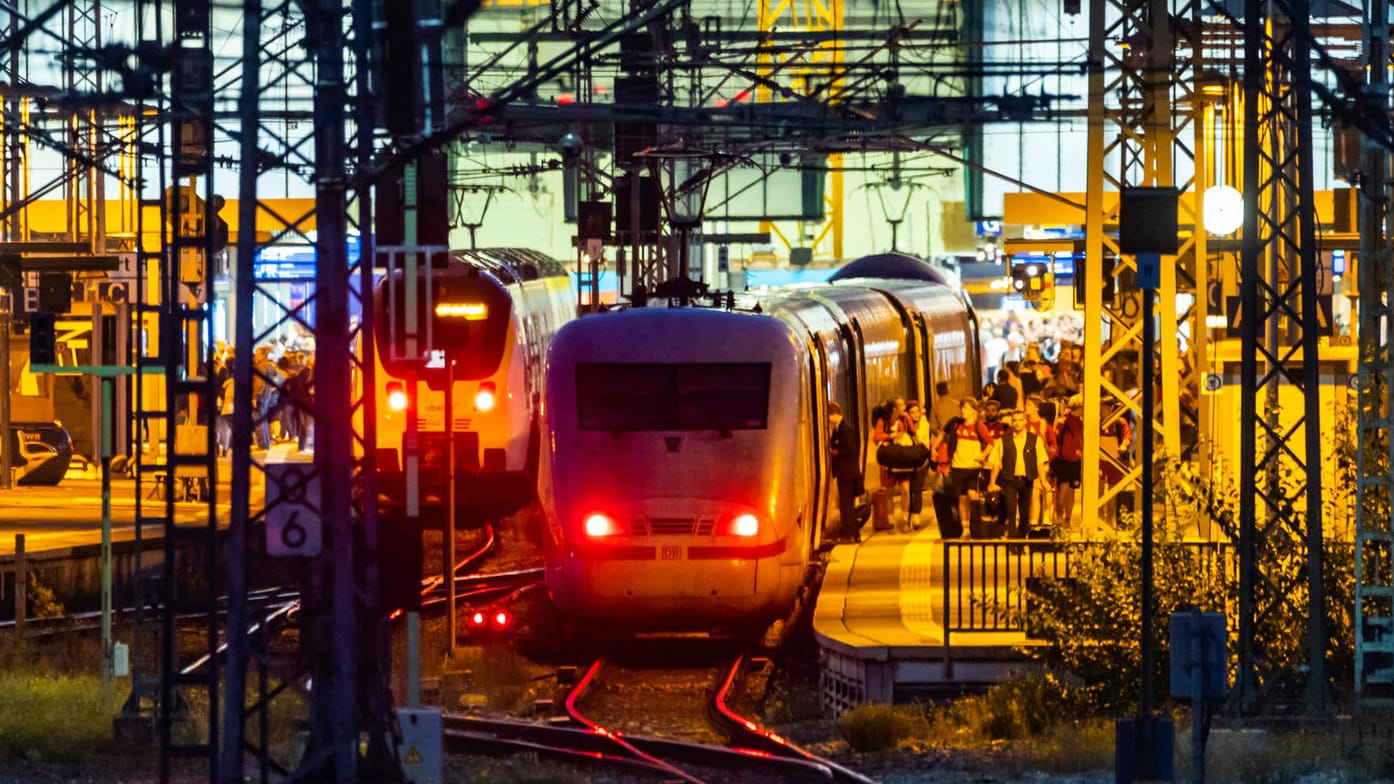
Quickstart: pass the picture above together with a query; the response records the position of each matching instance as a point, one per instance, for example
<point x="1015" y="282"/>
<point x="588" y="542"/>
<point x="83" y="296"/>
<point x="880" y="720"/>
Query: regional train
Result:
<point x="491" y="313"/>
<point x="686" y="483"/>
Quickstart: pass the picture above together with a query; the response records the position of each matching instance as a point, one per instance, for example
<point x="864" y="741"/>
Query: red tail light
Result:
<point x="598" y="525"/>
<point x="396" y="396"/>
<point x="484" y="398"/>
<point x="739" y="524"/>
<point x="489" y="619"/>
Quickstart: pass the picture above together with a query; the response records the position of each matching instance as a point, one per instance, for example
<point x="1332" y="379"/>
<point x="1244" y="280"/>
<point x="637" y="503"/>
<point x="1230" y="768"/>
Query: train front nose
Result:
<point x="681" y="563"/>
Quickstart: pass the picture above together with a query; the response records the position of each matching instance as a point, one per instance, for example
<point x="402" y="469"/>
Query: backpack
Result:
<point x="950" y="442"/>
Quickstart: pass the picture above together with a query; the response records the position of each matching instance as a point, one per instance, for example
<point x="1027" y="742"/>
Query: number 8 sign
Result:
<point x="293" y="525"/>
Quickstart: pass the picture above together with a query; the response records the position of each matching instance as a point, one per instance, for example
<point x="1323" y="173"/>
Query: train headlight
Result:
<point x="743" y="524"/>
<point x="484" y="398"/>
<point x="598" y="524"/>
<point x="396" y="396"/>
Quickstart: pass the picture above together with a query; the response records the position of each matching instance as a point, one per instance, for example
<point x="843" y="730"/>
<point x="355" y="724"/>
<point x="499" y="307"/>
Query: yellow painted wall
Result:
<point x="1039" y="210"/>
<point x="49" y="216"/>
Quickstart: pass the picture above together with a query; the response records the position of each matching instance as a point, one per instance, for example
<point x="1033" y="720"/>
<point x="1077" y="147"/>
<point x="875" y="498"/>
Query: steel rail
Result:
<point x="615" y="737"/>
<point x="750" y="734"/>
<point x="583" y="742"/>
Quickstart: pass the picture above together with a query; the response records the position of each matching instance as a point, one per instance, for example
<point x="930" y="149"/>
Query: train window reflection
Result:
<point x="687" y="396"/>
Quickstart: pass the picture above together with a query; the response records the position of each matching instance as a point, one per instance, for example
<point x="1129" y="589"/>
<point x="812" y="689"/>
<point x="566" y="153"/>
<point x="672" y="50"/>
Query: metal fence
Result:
<point x="989" y="586"/>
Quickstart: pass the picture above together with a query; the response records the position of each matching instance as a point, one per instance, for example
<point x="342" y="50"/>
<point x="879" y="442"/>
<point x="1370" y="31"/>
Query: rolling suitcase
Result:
<point x="945" y="511"/>
<point x="985" y="523"/>
<point x="881" y="510"/>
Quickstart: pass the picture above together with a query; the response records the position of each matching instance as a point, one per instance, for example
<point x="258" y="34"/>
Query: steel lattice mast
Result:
<point x="1141" y="110"/>
<point x="1374" y="539"/>
<point x="1280" y="537"/>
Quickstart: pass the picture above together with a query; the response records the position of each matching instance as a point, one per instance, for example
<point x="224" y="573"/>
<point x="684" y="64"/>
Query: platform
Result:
<point x="69" y="515"/>
<point x="881" y="622"/>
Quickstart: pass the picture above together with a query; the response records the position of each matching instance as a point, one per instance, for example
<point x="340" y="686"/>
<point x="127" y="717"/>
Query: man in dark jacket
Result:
<point x="1018" y="463"/>
<point x="847" y="470"/>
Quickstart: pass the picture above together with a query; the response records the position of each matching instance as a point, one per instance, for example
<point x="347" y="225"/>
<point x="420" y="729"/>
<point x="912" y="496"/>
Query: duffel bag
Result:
<point x="894" y="456"/>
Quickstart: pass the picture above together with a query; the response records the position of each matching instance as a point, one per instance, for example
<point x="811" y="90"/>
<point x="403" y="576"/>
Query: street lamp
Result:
<point x="1223" y="210"/>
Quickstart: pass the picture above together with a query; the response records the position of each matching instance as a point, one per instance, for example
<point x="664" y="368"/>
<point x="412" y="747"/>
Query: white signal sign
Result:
<point x="293" y="523"/>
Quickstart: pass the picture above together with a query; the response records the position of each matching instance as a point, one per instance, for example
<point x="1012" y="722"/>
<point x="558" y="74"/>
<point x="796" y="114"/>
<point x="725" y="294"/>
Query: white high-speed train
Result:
<point x="686" y="480"/>
<point x="494" y="311"/>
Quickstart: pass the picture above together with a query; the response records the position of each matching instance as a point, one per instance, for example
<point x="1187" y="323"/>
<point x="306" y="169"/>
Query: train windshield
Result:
<point x="468" y="319"/>
<point x="689" y="396"/>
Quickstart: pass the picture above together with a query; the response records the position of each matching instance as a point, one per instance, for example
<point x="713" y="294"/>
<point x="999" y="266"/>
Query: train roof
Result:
<point x="623" y="332"/>
<point x="889" y="265"/>
<point x="512" y="265"/>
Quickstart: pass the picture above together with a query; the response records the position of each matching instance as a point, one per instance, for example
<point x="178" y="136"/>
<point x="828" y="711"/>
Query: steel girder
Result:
<point x="1374" y="538"/>
<point x="1138" y="123"/>
<point x="1280" y="536"/>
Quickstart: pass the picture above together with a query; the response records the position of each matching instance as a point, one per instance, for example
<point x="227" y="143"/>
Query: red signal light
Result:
<point x="476" y="618"/>
<point x="396" y="396"/>
<point x="484" y="399"/>
<point x="501" y="619"/>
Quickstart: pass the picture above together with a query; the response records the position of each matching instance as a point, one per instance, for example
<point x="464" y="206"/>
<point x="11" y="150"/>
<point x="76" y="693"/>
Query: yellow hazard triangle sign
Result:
<point x="413" y="756"/>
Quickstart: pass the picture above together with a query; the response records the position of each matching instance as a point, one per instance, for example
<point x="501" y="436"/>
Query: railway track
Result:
<point x="710" y="742"/>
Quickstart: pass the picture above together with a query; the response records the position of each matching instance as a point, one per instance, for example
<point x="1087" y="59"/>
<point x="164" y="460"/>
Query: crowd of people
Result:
<point x="282" y="394"/>
<point x="1008" y="463"/>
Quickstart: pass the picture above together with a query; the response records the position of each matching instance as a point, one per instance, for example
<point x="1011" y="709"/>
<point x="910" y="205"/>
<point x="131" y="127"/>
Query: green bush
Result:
<point x="1091" y="622"/>
<point x="878" y="727"/>
<point x="1018" y="708"/>
<point x="55" y="718"/>
<point x="40" y="600"/>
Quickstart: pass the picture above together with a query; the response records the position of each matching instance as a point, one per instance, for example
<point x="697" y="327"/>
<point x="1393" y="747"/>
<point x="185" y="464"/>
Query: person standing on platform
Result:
<point x="891" y="428"/>
<point x="967" y="442"/>
<point x="1004" y="393"/>
<point x="1039" y="416"/>
<point x="943" y="409"/>
<point x="1030" y="383"/>
<point x="1067" y="467"/>
<point x="847" y="470"/>
<point x="919" y="430"/>
<point x="1018" y="464"/>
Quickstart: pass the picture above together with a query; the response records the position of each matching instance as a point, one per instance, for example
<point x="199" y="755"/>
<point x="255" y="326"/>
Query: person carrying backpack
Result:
<point x="966" y="445"/>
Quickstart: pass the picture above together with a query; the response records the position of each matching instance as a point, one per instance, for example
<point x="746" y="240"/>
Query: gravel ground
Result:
<point x="999" y="764"/>
<point x="890" y="768"/>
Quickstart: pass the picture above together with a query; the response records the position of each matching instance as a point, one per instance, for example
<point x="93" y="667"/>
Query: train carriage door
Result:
<point x="856" y="383"/>
<point x="822" y="469"/>
<point x="922" y="353"/>
<point x="975" y="352"/>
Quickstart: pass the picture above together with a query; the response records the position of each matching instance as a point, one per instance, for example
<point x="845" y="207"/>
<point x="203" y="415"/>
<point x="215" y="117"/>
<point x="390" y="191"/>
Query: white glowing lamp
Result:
<point x="1224" y="210"/>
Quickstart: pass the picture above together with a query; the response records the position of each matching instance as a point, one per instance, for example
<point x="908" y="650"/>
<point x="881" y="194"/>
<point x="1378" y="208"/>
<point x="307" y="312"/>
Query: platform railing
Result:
<point x="988" y="585"/>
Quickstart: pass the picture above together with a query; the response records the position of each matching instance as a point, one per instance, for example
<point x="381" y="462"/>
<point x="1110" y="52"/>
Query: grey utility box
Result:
<point x="1198" y="652"/>
<point x="421" y="749"/>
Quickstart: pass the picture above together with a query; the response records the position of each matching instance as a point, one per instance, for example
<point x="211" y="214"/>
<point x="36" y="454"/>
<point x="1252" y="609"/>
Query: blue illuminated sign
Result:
<point x="293" y="262"/>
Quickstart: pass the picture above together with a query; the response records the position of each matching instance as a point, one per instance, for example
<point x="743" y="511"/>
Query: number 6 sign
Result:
<point x="293" y="525"/>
